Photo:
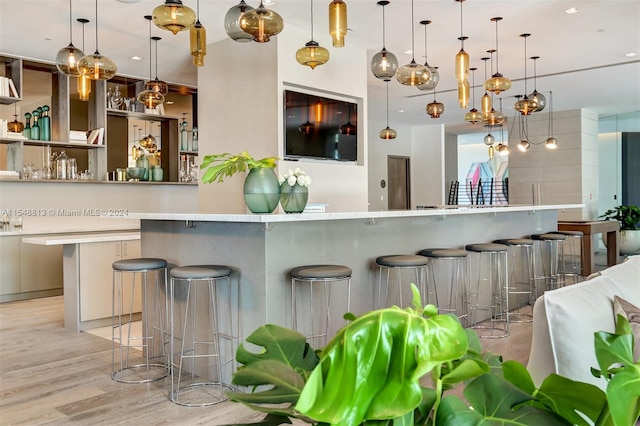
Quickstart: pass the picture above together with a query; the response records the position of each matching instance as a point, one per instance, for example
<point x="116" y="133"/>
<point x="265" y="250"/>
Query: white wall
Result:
<point x="428" y="165"/>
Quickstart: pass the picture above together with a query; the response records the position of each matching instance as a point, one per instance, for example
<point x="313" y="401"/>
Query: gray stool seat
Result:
<point x="569" y="233"/>
<point x="402" y="261"/>
<point x="547" y="237"/>
<point x="515" y="242"/>
<point x="443" y="253"/>
<point x="140" y="264"/>
<point x="200" y="272"/>
<point x="321" y="272"/>
<point x="485" y="247"/>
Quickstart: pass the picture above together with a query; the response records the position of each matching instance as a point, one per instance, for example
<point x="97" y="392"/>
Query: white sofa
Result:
<point x="565" y="319"/>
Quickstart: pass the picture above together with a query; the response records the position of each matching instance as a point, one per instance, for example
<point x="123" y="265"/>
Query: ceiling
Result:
<point x="582" y="55"/>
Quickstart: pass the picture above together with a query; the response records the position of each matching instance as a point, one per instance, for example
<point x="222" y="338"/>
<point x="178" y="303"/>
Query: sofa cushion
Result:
<point x="632" y="314"/>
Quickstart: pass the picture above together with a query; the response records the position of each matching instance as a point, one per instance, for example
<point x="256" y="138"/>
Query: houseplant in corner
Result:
<point x="261" y="186"/>
<point x="629" y="219"/>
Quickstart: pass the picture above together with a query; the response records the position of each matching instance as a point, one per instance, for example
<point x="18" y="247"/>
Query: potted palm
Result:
<point x="261" y="186"/>
<point x="629" y="219"/>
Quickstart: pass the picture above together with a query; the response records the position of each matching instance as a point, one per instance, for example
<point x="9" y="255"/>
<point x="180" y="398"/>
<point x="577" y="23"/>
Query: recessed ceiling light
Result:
<point x="48" y="38"/>
<point x="168" y="102"/>
<point x="408" y="52"/>
<point x="630" y="54"/>
<point x="136" y="58"/>
<point x="268" y="2"/>
<point x="400" y="110"/>
<point x="571" y="10"/>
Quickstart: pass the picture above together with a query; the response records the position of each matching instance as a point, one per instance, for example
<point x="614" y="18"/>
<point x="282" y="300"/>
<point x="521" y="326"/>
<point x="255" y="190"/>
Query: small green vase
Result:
<point x="261" y="190"/>
<point x="293" y="199"/>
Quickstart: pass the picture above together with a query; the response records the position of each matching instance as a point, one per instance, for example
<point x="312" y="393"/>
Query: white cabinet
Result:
<point x="96" y="276"/>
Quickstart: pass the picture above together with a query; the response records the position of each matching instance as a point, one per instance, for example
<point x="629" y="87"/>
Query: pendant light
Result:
<point x="68" y="57"/>
<point x="84" y="82"/>
<point x="312" y="54"/>
<point x="338" y="22"/>
<point x="232" y="20"/>
<point x="348" y="129"/>
<point x="525" y="106"/>
<point x="473" y="116"/>
<point x="307" y="126"/>
<point x="497" y="83"/>
<point x="489" y="139"/>
<point x="435" y="108"/>
<point x="535" y="95"/>
<point x="384" y="64"/>
<point x="173" y="16"/>
<point x="551" y="142"/>
<point x="262" y="23"/>
<point x="486" y="102"/>
<point x="198" y="40"/>
<point x="387" y="133"/>
<point x="435" y="75"/>
<point x="502" y="149"/>
<point x="462" y="67"/>
<point x="96" y="66"/>
<point x="157" y="85"/>
<point x="149" y="97"/>
<point x="413" y="74"/>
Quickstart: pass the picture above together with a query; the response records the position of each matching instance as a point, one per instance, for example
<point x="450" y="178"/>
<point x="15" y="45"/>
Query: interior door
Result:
<point x="399" y="195"/>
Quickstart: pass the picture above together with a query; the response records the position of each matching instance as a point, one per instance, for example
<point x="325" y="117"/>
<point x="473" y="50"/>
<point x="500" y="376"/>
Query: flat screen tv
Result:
<point x="320" y="127"/>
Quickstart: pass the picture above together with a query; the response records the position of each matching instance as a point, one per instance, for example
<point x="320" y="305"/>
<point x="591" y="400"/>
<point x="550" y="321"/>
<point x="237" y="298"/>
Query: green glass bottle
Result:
<point x="35" y="129"/>
<point x="45" y="124"/>
<point x="27" y="126"/>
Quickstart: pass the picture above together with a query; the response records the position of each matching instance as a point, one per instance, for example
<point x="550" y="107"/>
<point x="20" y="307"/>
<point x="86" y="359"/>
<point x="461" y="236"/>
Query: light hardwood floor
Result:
<point x="51" y="376"/>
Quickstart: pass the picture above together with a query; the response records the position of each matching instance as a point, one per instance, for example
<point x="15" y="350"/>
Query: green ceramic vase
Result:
<point x="293" y="199"/>
<point x="261" y="190"/>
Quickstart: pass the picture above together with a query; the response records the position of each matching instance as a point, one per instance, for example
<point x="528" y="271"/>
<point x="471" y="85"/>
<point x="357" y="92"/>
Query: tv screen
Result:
<point x="320" y="127"/>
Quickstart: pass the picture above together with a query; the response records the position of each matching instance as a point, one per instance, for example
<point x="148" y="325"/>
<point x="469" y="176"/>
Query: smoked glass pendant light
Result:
<point x="435" y="108"/>
<point x="473" y="116"/>
<point x="551" y="142"/>
<point x="68" y="57"/>
<point x="149" y="97"/>
<point x="538" y="97"/>
<point x="486" y="102"/>
<point x="413" y="74"/>
<point x="157" y="85"/>
<point x="338" y="22"/>
<point x="96" y="66"/>
<point x="525" y="106"/>
<point x="497" y="83"/>
<point x="387" y="133"/>
<point x="173" y="16"/>
<point x="232" y="20"/>
<point x="262" y="23"/>
<point x="84" y="82"/>
<point x="384" y="64"/>
<point x="435" y="75"/>
<point x="198" y="40"/>
<point x="348" y="129"/>
<point x="489" y="139"/>
<point x="312" y="54"/>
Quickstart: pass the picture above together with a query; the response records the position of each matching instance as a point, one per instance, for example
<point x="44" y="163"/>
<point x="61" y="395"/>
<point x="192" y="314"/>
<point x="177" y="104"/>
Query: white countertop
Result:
<point x="303" y="217"/>
<point x="54" y="240"/>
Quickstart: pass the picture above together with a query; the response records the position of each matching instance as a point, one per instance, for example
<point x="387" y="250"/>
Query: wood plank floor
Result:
<point x="51" y="376"/>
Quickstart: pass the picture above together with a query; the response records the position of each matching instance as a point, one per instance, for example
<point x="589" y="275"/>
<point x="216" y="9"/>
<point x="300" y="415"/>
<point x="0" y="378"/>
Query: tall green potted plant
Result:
<point x="629" y="219"/>
<point x="261" y="187"/>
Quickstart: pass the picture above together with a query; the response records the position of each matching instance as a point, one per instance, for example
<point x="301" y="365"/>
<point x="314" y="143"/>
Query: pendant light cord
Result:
<point x="149" y="49"/>
<point x="525" y="63"/>
<point x="384" y="36"/>
<point x="311" y="2"/>
<point x="97" y="51"/>
<point x="156" y="40"/>
<point x="497" y="54"/>
<point x="387" y="82"/>
<point x="550" y="114"/>
<point x="413" y="49"/>
<point x="70" y="24"/>
<point x="473" y="87"/>
<point x="461" y="32"/>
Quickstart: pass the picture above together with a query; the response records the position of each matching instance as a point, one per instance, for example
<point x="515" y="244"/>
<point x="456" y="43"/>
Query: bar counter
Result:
<point x="261" y="249"/>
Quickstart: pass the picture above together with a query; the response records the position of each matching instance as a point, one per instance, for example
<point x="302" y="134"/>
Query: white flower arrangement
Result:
<point x="293" y="177"/>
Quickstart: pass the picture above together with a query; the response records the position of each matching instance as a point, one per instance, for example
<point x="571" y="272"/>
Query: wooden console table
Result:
<point x="609" y="227"/>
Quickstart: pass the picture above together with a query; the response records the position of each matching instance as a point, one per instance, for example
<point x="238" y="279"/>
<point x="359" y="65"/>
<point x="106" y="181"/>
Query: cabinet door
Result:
<point x="9" y="265"/>
<point x="40" y="267"/>
<point x="96" y="277"/>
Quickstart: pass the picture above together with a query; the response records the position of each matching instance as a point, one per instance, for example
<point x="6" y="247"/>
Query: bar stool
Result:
<point x="571" y="254"/>
<point x="398" y="263"/>
<point x="447" y="281"/>
<point x="320" y="328"/>
<point x="549" y="252"/>
<point x="139" y="357"/>
<point x="199" y="347"/>
<point x="521" y="276"/>
<point x="489" y="291"/>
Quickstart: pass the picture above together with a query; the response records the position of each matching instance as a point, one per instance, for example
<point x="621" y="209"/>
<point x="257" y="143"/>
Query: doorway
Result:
<point x="399" y="177"/>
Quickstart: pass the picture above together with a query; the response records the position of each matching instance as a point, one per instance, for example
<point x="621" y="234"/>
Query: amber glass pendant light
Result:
<point x="384" y="64"/>
<point x="232" y="20"/>
<point x="387" y="133"/>
<point x="538" y="97"/>
<point x="68" y="57"/>
<point x="312" y="54"/>
<point x="462" y="67"/>
<point x="435" y="109"/>
<point x="173" y="16"/>
<point x="262" y="23"/>
<point x="413" y="74"/>
<point x="198" y="40"/>
<point x="473" y="116"/>
<point x="149" y="97"/>
<point x="84" y="82"/>
<point x="338" y="22"/>
<point x="435" y="75"/>
<point x="497" y="83"/>
<point x="486" y="103"/>
<point x="96" y="66"/>
<point x="157" y="85"/>
<point x="525" y="106"/>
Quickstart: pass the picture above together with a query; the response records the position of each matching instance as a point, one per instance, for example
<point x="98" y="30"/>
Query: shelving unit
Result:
<point x="12" y="69"/>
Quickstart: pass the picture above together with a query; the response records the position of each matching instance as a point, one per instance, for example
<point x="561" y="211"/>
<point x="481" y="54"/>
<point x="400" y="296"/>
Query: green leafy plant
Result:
<point x="628" y="216"/>
<point x="224" y="165"/>
<point x="377" y="369"/>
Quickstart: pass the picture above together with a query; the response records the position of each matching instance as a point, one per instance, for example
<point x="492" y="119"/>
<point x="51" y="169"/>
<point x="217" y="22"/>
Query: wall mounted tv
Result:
<point x="319" y="127"/>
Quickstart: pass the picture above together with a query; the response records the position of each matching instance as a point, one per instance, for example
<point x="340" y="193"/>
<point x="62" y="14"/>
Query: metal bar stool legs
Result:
<point x="139" y="357"/>
<point x="398" y="263"/>
<point x="522" y="289"/>
<point x="571" y="255"/>
<point x="547" y="254"/>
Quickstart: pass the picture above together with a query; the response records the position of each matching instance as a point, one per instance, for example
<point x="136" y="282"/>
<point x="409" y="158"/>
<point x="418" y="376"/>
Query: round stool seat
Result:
<point x="515" y="242"/>
<point x="321" y="272"/>
<point x="549" y="236"/>
<point x="443" y="253"/>
<point x="402" y="260"/>
<point x="200" y="272"/>
<point x="141" y="264"/>
<point x="569" y="233"/>
<point x="486" y="247"/>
